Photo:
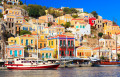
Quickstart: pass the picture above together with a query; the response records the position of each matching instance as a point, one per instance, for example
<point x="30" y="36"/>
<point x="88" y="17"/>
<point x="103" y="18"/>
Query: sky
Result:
<point x="108" y="9"/>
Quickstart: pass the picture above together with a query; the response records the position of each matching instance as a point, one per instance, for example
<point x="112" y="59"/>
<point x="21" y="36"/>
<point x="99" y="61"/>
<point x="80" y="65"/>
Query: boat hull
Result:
<point x="98" y="65"/>
<point x="32" y="67"/>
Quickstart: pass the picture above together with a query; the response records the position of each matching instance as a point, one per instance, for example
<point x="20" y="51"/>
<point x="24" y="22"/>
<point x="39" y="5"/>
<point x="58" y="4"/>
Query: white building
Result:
<point x="80" y="30"/>
<point x="79" y="9"/>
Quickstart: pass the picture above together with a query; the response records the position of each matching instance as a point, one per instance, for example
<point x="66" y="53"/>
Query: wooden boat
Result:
<point x="22" y="64"/>
<point x="105" y="63"/>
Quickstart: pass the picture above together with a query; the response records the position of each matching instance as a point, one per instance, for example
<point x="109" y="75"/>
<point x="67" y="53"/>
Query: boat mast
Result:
<point x="116" y="42"/>
<point x="37" y="43"/>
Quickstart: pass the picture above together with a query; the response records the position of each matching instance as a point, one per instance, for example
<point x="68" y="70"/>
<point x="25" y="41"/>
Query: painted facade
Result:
<point x="13" y="20"/>
<point x="24" y="40"/>
<point x="63" y="45"/>
<point x="84" y="52"/>
<point x="42" y="42"/>
<point x="63" y="19"/>
<point x="26" y="26"/>
<point x="47" y="53"/>
<point x="47" y="18"/>
<point x="114" y="29"/>
<point x="15" y="51"/>
<point x="56" y="30"/>
<point x="92" y="21"/>
<point x="107" y="43"/>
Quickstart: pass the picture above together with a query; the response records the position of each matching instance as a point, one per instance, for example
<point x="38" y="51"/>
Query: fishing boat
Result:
<point x="22" y="64"/>
<point x="105" y="63"/>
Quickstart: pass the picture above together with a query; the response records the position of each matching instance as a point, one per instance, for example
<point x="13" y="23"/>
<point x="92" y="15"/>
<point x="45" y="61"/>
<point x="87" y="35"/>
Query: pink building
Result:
<point x="15" y="51"/>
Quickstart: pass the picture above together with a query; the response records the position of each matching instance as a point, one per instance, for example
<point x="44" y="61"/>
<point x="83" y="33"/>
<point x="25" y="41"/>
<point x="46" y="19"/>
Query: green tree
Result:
<point x="36" y="10"/>
<point x="102" y="58"/>
<point x="94" y="14"/>
<point x="73" y="10"/>
<point x="100" y="34"/>
<point x="21" y="3"/>
<point x="49" y="24"/>
<point x="67" y="24"/>
<point x="22" y="32"/>
<point x="66" y="11"/>
<point x="69" y="10"/>
<point x="1" y="15"/>
<point x="52" y="12"/>
<point x="75" y="16"/>
<point x="118" y="56"/>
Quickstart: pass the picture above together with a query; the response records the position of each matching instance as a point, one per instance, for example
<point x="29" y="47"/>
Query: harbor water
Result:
<point x="65" y="72"/>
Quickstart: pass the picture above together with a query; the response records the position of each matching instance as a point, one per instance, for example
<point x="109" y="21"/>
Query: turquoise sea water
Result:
<point x="65" y="72"/>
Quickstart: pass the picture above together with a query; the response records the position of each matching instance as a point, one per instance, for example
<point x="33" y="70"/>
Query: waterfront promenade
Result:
<point x="65" y="72"/>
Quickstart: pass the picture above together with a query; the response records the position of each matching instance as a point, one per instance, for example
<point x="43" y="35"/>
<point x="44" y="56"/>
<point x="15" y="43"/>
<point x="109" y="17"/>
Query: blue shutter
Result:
<point x="31" y="41"/>
<point x="21" y="40"/>
<point x="10" y="52"/>
<point x="27" y="28"/>
<point x="42" y="55"/>
<point x="30" y="28"/>
<point x="26" y="42"/>
<point x="15" y="53"/>
<point x="20" y="52"/>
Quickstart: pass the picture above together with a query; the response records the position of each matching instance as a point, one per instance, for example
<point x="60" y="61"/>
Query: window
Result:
<point x="83" y="26"/>
<point x="64" y="42"/>
<point x="50" y="55"/>
<point x="44" y="45"/>
<point x="49" y="43"/>
<point x="68" y="43"/>
<point x="15" y="41"/>
<point x="22" y="41"/>
<point x="80" y="53"/>
<point x="11" y="40"/>
<point x="60" y="32"/>
<point x="60" y="52"/>
<point x="26" y="42"/>
<point x="10" y="52"/>
<point x="30" y="28"/>
<point x="31" y="41"/>
<point x="77" y="27"/>
<point x="60" y="42"/>
<point x="46" y="55"/>
<point x="42" y="55"/>
<point x="20" y="52"/>
<point x="71" y="43"/>
<point x="52" y="42"/>
<point x="40" y="45"/>
<point x="80" y="26"/>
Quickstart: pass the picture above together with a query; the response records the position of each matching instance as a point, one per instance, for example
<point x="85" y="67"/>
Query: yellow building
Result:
<point x="109" y="30"/>
<point x="25" y="40"/>
<point x="46" y="53"/>
<point x="42" y="42"/>
<point x="84" y="52"/>
<point x="63" y="19"/>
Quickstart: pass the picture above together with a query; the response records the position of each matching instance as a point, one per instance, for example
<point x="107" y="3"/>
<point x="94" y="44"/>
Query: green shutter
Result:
<point x="60" y="42"/>
<point x="68" y="43"/>
<point x="49" y="43"/>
